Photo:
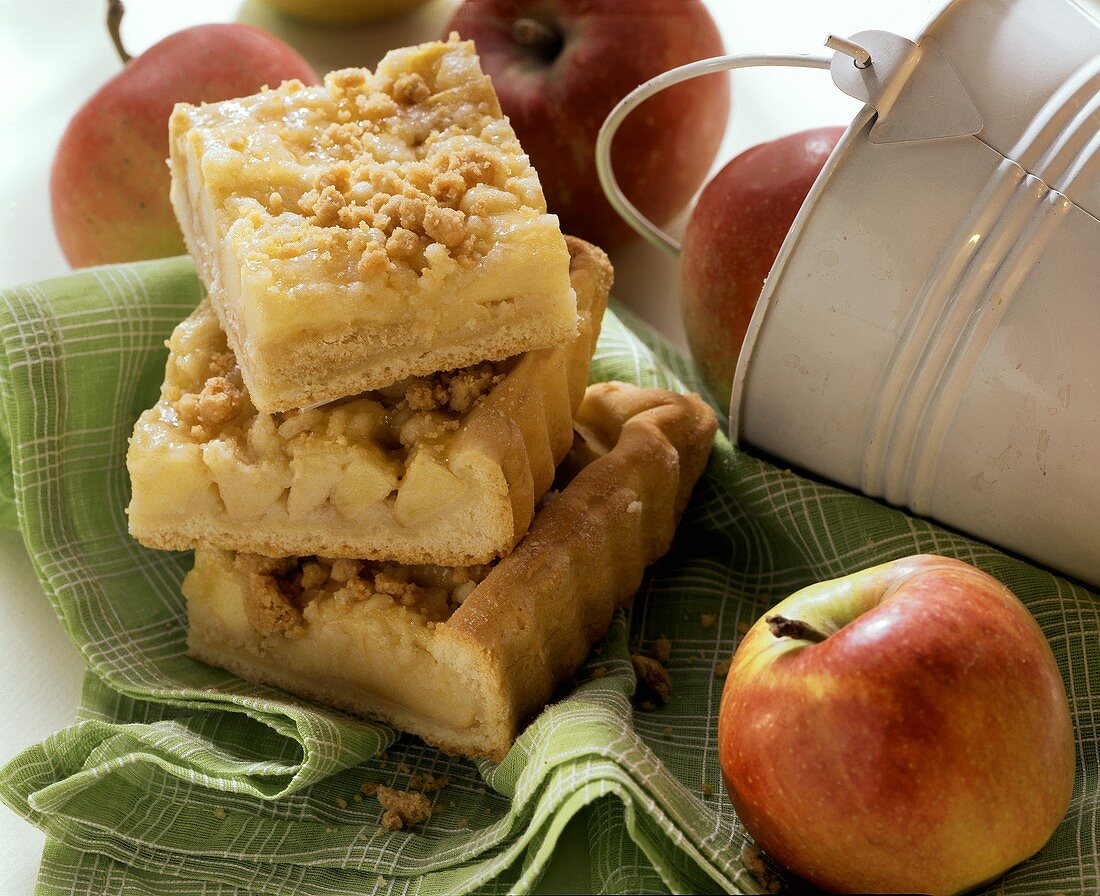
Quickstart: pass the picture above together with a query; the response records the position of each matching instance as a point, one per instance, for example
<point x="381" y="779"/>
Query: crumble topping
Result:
<point x="221" y="400"/>
<point x="270" y="602"/>
<point x="456" y="390"/>
<point x="207" y="400"/>
<point x="397" y="168"/>
<point x="280" y="591"/>
<point x="411" y="88"/>
<point x="402" y="808"/>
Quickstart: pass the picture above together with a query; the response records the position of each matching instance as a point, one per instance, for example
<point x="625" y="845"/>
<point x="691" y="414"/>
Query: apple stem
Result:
<point x="115" y="11"/>
<point x="782" y="627"/>
<point x="540" y="38"/>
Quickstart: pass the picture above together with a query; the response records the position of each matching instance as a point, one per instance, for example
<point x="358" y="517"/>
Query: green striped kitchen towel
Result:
<point x="177" y="778"/>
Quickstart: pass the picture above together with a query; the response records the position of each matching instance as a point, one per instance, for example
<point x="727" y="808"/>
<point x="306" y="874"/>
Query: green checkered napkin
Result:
<point x="177" y="778"/>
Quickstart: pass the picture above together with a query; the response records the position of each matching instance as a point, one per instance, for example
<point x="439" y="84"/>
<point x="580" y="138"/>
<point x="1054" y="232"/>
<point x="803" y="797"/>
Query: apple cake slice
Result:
<point x="381" y="226"/>
<point x="464" y="656"/>
<point x="438" y="469"/>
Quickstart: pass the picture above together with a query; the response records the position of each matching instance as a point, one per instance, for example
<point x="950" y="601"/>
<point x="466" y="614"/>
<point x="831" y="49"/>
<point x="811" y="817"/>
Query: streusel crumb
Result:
<point x="269" y="610"/>
<point x="411" y="88"/>
<point x="220" y="400"/>
<point x="406" y="592"/>
<point x="402" y="808"/>
<point x="455" y="390"/>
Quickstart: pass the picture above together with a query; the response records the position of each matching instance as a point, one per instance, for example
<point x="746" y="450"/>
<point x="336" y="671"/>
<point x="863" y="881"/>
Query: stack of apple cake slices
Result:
<point x="365" y="416"/>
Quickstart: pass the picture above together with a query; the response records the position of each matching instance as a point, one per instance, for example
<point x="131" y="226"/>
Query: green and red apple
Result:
<point x="561" y="66"/>
<point x="900" y="730"/>
<point x="109" y="182"/>
<point x="732" y="239"/>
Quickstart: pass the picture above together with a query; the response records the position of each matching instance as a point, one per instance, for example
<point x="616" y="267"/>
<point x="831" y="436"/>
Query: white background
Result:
<point x="56" y="54"/>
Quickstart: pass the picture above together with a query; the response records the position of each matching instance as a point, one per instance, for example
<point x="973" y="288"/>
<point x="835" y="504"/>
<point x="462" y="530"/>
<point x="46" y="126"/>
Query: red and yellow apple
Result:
<point x="109" y="182"/>
<point x="900" y="730"/>
<point x="739" y="222"/>
<point x="560" y="67"/>
<point x="343" y="12"/>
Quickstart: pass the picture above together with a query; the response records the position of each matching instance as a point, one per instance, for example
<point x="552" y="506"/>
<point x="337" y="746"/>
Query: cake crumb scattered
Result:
<point x="599" y="672"/>
<point x="708" y="790"/>
<point x="362" y="836"/>
<point x="369" y="788"/>
<point x="722" y="668"/>
<point x="661" y="650"/>
<point x="753" y="859"/>
<point x="341" y="802"/>
<point x="358" y="797"/>
<point x="652" y="676"/>
<point x="219" y="813"/>
<point x="427" y="782"/>
<point x="667" y="731"/>
<point x="463" y="822"/>
<point x="647" y="705"/>
<point x="402" y="808"/>
<point x="708" y="619"/>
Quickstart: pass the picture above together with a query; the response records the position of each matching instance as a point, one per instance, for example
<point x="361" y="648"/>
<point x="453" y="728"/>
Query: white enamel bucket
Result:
<point x="930" y="331"/>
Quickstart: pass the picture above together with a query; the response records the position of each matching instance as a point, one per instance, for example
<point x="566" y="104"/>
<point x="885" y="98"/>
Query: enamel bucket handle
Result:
<point x="639" y="95"/>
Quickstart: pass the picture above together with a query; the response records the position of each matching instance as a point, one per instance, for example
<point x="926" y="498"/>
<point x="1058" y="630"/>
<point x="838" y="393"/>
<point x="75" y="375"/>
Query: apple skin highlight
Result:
<point x="925" y="746"/>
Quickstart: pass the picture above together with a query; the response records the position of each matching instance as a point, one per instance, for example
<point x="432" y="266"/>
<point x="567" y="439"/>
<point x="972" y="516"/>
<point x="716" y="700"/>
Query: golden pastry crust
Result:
<point x="439" y="469"/>
<point x="466" y="676"/>
<point x="384" y="225"/>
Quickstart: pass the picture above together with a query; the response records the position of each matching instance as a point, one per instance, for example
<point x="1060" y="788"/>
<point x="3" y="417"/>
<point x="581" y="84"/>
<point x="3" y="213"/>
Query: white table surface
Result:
<point x="56" y="54"/>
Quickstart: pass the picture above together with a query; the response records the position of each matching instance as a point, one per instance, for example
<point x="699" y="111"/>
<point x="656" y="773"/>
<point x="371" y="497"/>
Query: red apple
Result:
<point x="738" y="224"/>
<point x="900" y="730"/>
<point x="560" y="66"/>
<point x="109" y="183"/>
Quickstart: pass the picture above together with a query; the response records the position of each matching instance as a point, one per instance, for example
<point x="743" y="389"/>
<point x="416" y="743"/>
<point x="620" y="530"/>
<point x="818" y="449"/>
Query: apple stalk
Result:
<point x="784" y="627"/>
<point x="115" y="12"/>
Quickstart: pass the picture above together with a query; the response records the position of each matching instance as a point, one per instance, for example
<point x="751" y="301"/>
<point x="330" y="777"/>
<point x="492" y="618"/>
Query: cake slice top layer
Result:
<point x="350" y="197"/>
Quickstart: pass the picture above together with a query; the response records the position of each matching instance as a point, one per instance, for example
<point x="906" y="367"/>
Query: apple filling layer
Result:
<point x="462" y="656"/>
<point x="441" y="469"/>
<point x="380" y="226"/>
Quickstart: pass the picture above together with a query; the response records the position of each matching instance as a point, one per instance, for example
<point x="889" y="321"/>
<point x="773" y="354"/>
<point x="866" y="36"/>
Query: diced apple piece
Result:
<point x="427" y="489"/>
<point x="358" y="420"/>
<point x="316" y="469"/>
<point x="262" y="437"/>
<point x="247" y="490"/>
<point x="368" y="476"/>
<point x="171" y="479"/>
